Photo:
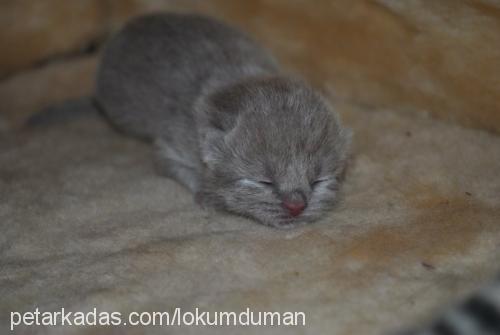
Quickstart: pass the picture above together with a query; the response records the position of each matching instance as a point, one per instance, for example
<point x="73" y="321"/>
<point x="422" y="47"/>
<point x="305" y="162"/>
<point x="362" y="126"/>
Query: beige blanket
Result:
<point x="86" y="223"/>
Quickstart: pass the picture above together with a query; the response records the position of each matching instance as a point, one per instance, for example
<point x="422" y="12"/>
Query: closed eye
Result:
<point x="255" y="183"/>
<point x="319" y="181"/>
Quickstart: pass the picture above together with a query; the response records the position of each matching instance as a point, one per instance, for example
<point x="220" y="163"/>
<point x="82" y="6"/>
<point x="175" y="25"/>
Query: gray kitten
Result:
<point x="242" y="136"/>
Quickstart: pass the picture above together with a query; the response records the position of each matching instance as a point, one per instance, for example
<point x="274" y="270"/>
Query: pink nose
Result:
<point x="295" y="207"/>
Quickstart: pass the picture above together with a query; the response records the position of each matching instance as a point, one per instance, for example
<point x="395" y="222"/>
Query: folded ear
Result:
<point x="223" y="107"/>
<point x="216" y="116"/>
<point x="212" y="148"/>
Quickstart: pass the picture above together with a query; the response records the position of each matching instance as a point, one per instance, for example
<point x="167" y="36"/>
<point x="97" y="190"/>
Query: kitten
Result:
<point x="477" y="315"/>
<point x="228" y="125"/>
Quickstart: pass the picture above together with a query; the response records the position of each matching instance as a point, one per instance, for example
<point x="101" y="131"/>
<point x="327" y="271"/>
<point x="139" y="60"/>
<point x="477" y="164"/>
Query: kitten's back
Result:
<point x="155" y="68"/>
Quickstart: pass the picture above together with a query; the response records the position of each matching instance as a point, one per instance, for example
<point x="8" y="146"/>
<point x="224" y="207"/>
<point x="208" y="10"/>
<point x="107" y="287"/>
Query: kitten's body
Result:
<point x="225" y="121"/>
<point x="154" y="70"/>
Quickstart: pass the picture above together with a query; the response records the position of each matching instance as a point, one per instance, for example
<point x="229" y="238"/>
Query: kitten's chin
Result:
<point x="286" y="223"/>
<point x="290" y="224"/>
<point x="275" y="220"/>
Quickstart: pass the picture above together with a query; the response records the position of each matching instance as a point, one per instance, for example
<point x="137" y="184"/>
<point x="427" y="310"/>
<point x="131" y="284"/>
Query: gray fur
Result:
<point x="66" y="111"/>
<point x="223" y="117"/>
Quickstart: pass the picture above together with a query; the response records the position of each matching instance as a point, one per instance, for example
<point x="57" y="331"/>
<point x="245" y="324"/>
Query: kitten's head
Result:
<point x="273" y="149"/>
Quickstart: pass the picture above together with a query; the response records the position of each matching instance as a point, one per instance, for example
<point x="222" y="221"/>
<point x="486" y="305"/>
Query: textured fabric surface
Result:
<point x="87" y="223"/>
<point x="435" y="56"/>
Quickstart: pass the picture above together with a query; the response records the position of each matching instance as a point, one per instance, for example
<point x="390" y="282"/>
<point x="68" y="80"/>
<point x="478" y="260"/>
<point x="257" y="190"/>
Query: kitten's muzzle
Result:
<point x="294" y="203"/>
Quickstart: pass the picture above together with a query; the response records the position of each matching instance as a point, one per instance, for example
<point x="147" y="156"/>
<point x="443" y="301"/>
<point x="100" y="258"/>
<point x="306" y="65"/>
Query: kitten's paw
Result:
<point x="207" y="201"/>
<point x="201" y="200"/>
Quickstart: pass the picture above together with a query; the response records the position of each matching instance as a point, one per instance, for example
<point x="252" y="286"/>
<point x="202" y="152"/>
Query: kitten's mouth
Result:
<point x="290" y="224"/>
<point x="287" y="221"/>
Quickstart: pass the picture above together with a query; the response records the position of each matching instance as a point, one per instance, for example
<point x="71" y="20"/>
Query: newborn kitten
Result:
<point x="227" y="123"/>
